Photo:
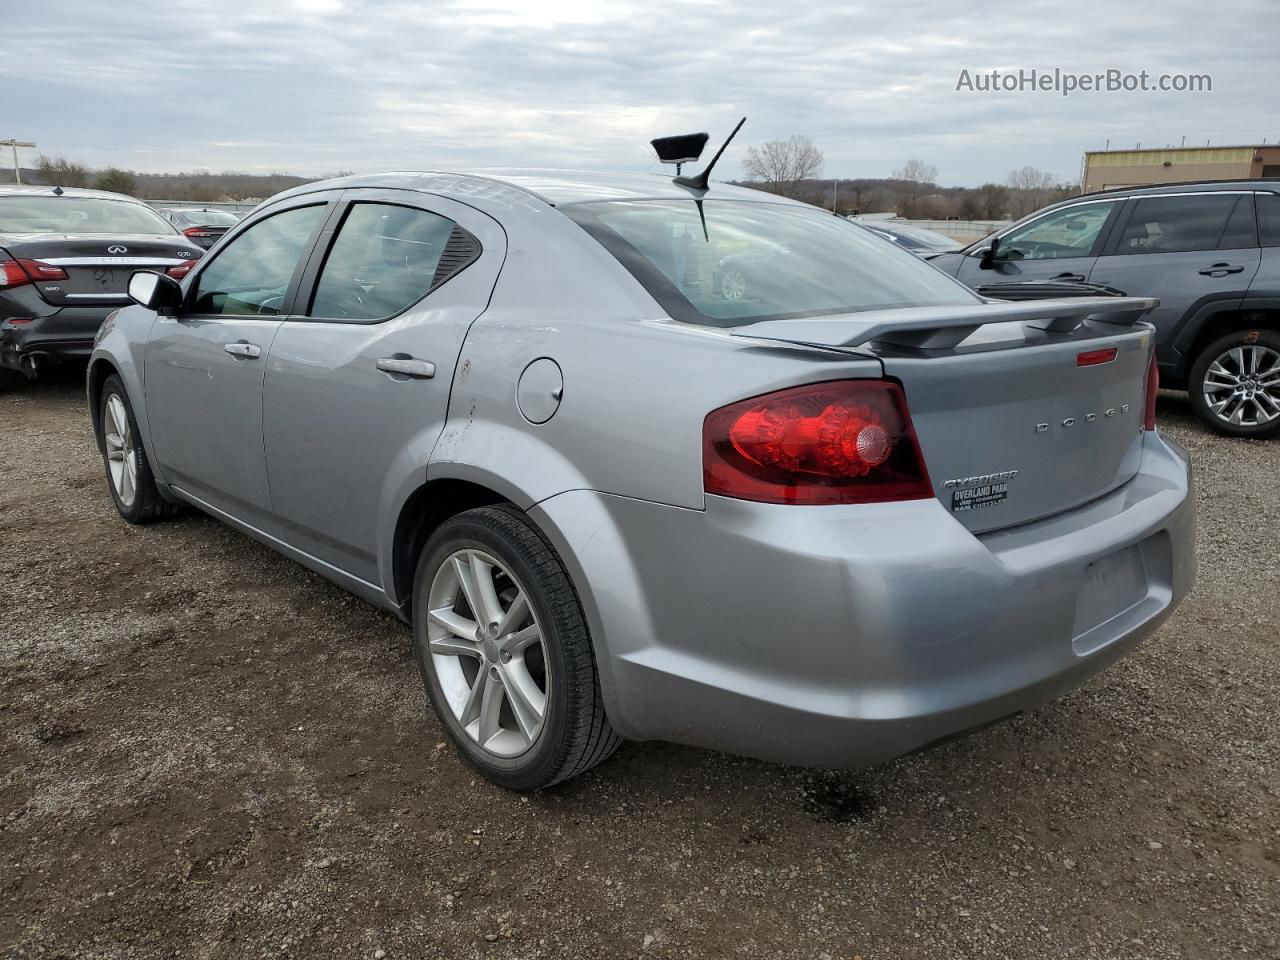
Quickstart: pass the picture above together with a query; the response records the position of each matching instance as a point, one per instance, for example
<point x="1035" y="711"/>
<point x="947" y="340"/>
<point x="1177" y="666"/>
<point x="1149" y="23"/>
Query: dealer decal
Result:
<point x="984" y="490"/>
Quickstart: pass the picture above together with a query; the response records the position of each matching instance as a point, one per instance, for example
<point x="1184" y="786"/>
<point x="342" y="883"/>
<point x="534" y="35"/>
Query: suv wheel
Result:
<point x="1235" y="384"/>
<point x="133" y="486"/>
<point x="504" y="651"/>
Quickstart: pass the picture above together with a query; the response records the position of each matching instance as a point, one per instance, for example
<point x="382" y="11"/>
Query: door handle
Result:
<point x="1070" y="276"/>
<point x="1220" y="270"/>
<point x="243" y="349"/>
<point x="406" y="366"/>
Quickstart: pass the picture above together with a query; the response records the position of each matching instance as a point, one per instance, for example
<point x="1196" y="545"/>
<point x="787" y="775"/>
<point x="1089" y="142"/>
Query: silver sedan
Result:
<point x="843" y="511"/>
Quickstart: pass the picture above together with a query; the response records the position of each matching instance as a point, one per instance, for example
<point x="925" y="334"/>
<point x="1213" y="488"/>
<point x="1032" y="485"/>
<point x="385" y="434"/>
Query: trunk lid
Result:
<point x="1013" y="426"/>
<point x="98" y="266"/>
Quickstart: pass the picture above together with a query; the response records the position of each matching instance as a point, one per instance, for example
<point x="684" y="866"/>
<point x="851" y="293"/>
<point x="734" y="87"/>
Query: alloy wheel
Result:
<point x="733" y="285"/>
<point x="122" y="455"/>
<point x="1242" y="386"/>
<point x="487" y="652"/>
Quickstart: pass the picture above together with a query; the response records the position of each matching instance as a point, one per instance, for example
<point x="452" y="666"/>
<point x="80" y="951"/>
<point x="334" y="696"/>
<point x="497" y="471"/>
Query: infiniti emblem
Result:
<point x="117" y="248"/>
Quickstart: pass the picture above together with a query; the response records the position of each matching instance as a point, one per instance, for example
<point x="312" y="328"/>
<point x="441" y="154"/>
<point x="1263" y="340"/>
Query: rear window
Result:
<point x="754" y="261"/>
<point x="72" y="214"/>
<point x="1177" y="224"/>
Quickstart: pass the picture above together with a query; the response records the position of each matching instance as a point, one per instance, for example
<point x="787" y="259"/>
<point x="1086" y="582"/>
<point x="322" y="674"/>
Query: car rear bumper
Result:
<point x="66" y="333"/>
<point x="841" y="636"/>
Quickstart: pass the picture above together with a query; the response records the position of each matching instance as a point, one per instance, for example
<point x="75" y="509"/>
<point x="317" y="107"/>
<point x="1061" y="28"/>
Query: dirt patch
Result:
<point x="206" y="751"/>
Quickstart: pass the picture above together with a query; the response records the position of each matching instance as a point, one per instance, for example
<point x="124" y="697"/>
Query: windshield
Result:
<point x="72" y="214"/>
<point x="759" y="261"/>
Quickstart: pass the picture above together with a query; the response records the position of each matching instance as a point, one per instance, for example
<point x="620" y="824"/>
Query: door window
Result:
<point x="1069" y="232"/>
<point x="1177" y="224"/>
<point x="1242" y="230"/>
<point x="386" y="258"/>
<point x="251" y="275"/>
<point x="1269" y="218"/>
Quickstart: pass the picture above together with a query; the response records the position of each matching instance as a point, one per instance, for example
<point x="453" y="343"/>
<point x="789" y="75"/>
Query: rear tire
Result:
<point x="129" y="477"/>
<point x="1234" y="384"/>
<point x="515" y="686"/>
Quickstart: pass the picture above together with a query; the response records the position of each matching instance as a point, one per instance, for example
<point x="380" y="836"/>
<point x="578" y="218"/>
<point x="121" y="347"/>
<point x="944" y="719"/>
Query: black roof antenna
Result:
<point x="699" y="181"/>
<point x="57" y="191"/>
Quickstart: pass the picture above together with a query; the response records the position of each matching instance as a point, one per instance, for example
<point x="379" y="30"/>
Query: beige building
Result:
<point x="1106" y="169"/>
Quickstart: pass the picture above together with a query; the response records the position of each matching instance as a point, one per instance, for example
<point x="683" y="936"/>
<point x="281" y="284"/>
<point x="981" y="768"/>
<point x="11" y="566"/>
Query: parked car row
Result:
<point x="66" y="256"/>
<point x="828" y="512"/>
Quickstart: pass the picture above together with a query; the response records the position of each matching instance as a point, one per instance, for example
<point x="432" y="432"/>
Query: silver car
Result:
<point x="852" y="512"/>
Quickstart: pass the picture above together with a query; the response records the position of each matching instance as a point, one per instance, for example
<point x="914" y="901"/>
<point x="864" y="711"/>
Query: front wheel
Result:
<point x="504" y="651"/>
<point x="133" y="485"/>
<point x="1234" y="384"/>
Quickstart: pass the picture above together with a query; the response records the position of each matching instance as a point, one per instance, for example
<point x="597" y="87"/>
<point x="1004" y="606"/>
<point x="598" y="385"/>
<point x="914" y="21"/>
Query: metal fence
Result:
<point x="240" y="206"/>
<point x="963" y="231"/>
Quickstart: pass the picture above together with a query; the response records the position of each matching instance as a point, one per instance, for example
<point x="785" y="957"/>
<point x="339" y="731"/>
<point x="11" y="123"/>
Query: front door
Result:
<point x="357" y="386"/>
<point x="204" y="368"/>
<point x="1060" y="245"/>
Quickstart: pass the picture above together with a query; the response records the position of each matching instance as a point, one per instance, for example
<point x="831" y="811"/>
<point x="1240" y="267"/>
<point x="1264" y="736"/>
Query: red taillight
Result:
<point x="196" y="232"/>
<point x="182" y="269"/>
<point x="1091" y="358"/>
<point x="1153" y="387"/>
<point x="16" y="273"/>
<point x="846" y="441"/>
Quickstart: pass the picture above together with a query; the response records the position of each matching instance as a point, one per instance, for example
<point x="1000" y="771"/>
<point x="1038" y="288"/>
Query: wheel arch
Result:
<point x="421" y="514"/>
<point x="100" y="368"/>
<point x="1263" y="315"/>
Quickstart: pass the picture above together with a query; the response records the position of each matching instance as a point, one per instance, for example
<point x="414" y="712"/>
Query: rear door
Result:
<point x="204" y="368"/>
<point x="1189" y="249"/>
<point x="1062" y="244"/>
<point x="357" y="386"/>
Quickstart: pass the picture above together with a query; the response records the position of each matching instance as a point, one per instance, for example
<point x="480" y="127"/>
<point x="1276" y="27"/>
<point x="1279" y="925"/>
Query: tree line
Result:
<point x="792" y="167"/>
<point x="199" y="186"/>
<point x="789" y="167"/>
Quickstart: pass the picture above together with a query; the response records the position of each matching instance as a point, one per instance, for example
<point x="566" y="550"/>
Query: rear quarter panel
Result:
<point x="637" y="385"/>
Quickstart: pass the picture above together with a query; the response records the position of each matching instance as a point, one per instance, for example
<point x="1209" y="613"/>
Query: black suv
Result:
<point x="65" y="259"/>
<point x="1209" y="251"/>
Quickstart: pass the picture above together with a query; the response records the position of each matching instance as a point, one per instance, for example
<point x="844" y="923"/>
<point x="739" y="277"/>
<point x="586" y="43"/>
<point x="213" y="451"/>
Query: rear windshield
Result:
<point x="71" y="214"/>
<point x="759" y="261"/>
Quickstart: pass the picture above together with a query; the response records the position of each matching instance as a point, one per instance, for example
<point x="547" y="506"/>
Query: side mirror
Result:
<point x="988" y="261"/>
<point x="155" y="291"/>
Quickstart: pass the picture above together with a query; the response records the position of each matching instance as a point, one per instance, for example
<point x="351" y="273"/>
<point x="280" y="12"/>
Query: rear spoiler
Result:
<point x="940" y="328"/>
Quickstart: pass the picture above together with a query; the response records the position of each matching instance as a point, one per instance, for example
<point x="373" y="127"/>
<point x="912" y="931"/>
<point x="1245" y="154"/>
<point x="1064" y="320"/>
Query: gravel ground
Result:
<point x="206" y="751"/>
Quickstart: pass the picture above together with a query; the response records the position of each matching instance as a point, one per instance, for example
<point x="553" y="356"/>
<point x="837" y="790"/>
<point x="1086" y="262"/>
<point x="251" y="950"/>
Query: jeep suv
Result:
<point x="1209" y="251"/>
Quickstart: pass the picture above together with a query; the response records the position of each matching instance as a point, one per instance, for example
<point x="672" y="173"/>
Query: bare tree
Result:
<point x="1031" y="189"/>
<point x="1031" y="178"/>
<point x="915" y="179"/>
<point x="781" y="164"/>
<point x="61" y="172"/>
<point x="117" y="181"/>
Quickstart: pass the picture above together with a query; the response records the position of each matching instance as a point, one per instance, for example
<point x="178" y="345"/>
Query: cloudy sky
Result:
<point x="312" y="86"/>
